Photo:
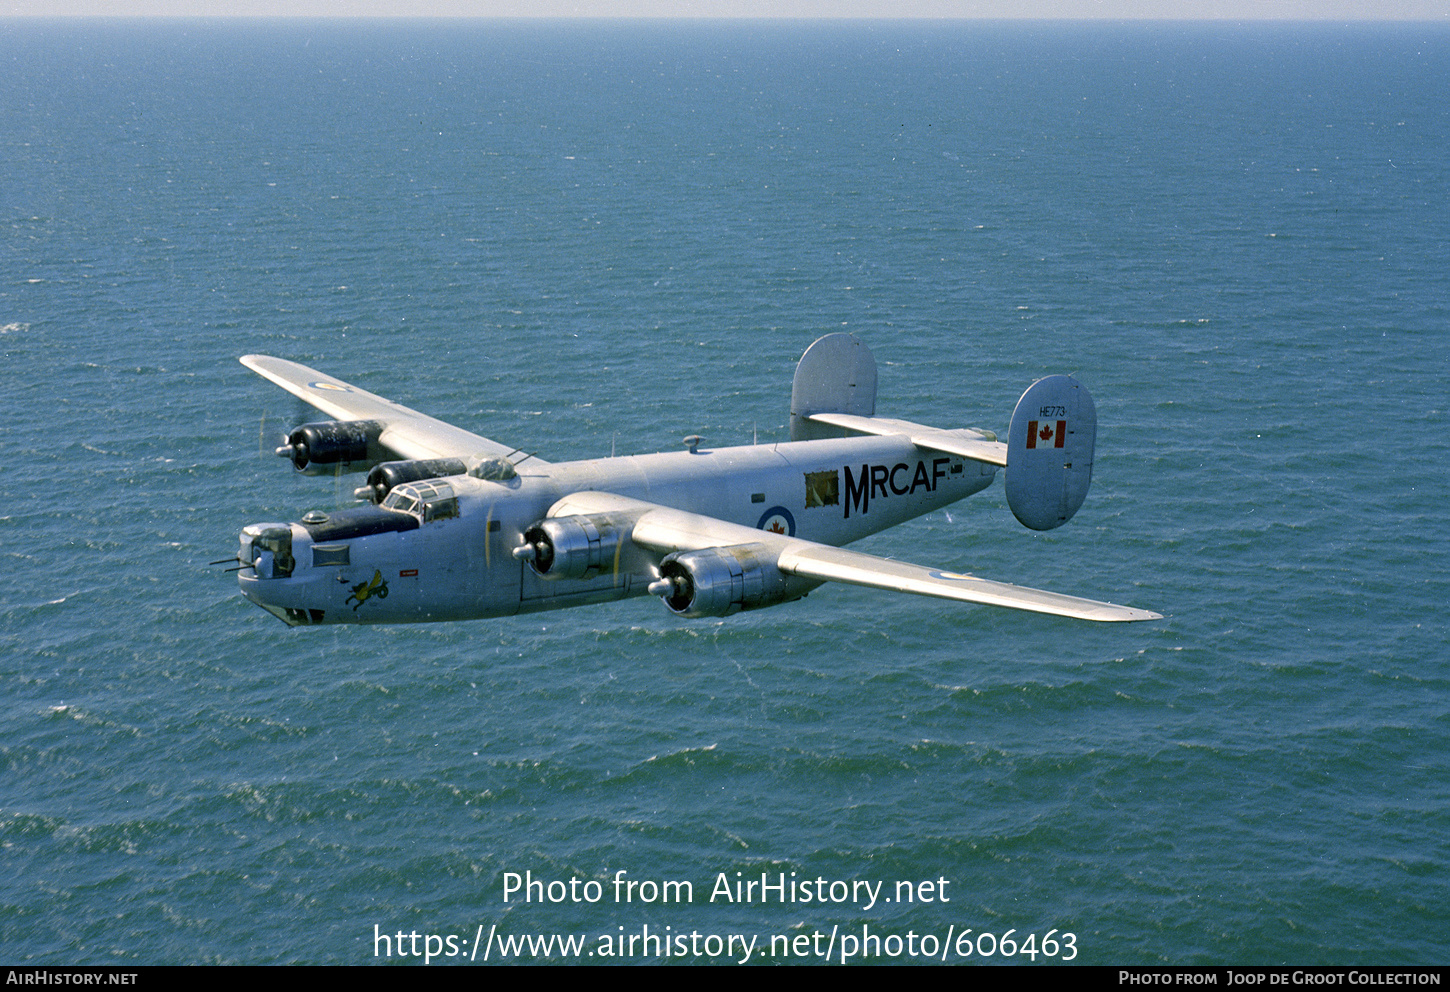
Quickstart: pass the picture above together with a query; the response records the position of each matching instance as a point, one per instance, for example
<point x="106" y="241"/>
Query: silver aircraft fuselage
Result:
<point x="381" y="564"/>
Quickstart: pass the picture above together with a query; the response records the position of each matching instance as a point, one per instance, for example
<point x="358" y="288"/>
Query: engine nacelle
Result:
<point x="334" y="446"/>
<point x="716" y="582"/>
<point x="382" y="478"/>
<point x="575" y="547"/>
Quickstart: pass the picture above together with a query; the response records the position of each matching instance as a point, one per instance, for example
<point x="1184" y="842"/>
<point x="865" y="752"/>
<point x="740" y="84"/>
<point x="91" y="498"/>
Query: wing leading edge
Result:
<point x="668" y="531"/>
<point x="409" y="433"/>
<point x="819" y="561"/>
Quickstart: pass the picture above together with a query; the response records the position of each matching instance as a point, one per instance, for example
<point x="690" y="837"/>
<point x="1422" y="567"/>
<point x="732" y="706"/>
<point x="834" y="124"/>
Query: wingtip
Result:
<point x="1138" y="615"/>
<point x="1115" y="613"/>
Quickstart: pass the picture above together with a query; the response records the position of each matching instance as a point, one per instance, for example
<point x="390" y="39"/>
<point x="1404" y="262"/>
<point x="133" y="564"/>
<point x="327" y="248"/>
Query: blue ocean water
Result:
<point x="586" y="237"/>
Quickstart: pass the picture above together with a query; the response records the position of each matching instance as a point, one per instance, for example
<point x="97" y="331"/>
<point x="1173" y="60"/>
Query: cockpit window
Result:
<point x="428" y="501"/>
<point x="399" y="500"/>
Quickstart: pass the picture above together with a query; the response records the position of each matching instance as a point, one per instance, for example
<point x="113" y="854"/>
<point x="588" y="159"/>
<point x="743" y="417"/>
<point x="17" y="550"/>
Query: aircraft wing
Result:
<point x="409" y="433"/>
<point x="840" y="565"/>
<point x="668" y="531"/>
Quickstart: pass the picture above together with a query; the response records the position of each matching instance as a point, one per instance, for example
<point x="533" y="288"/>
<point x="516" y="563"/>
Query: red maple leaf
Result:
<point x="1045" y="433"/>
<point x="776" y="528"/>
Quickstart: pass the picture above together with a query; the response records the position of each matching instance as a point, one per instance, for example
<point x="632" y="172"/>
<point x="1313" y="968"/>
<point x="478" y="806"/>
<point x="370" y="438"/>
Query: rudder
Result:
<point x="1050" y="452"/>
<point x="837" y="374"/>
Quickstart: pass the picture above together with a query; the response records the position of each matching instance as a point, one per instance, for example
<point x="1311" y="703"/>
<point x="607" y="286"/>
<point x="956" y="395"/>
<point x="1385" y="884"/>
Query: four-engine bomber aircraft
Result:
<point x="458" y="527"/>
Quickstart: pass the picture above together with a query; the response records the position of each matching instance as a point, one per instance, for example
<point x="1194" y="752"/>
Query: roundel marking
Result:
<point x="955" y="576"/>
<point x="330" y="385"/>
<point x="777" y="520"/>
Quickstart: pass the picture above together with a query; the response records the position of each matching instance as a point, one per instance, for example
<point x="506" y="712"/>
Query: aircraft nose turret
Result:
<point x="268" y="573"/>
<point x="267" y="550"/>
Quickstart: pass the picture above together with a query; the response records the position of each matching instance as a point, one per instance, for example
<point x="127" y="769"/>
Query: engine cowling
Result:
<point x="382" y="478"/>
<point x="574" y="547"/>
<point x="334" y="446"/>
<point x="716" y="582"/>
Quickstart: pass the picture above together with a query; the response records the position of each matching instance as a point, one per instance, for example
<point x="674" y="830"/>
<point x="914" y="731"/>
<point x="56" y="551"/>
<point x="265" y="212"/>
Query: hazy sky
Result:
<point x="1335" y="10"/>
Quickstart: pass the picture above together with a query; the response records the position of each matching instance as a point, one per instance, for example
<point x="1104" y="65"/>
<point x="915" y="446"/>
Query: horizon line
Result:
<point x="1026" y="18"/>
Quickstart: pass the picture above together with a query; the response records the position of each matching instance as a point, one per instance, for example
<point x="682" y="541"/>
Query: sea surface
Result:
<point x="594" y="237"/>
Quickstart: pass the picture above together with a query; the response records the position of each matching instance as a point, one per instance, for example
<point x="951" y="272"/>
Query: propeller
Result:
<point x="263" y="444"/>
<point x="271" y="440"/>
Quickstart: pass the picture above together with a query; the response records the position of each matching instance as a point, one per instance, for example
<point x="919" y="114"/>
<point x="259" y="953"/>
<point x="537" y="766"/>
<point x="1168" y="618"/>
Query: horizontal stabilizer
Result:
<point x="967" y="443"/>
<point x="1050" y="452"/>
